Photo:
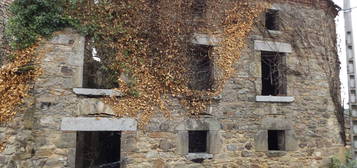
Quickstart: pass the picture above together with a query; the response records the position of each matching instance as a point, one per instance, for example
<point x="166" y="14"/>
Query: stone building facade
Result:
<point x="246" y="126"/>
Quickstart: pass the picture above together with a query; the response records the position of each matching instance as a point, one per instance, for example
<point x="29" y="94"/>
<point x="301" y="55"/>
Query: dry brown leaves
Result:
<point x="15" y="80"/>
<point x="152" y="51"/>
<point x="237" y="26"/>
<point x="2" y="146"/>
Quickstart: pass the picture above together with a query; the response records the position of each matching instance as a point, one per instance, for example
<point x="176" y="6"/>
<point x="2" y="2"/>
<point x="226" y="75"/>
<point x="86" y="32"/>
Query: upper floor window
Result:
<point x="201" y="67"/>
<point x="97" y="74"/>
<point x="273" y="73"/>
<point x="272" y="19"/>
<point x="199" y="8"/>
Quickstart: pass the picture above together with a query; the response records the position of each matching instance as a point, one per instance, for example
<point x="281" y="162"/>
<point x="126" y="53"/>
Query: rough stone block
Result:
<point x="192" y="156"/>
<point x="261" y="141"/>
<point x="98" y="124"/>
<point x="97" y="92"/>
<point x="182" y="143"/>
<point x="232" y="147"/>
<point x="204" y="39"/>
<point x="275" y="99"/>
<point x="165" y="145"/>
<point x="291" y="143"/>
<point x="272" y="46"/>
<point x="214" y="142"/>
<point x="199" y="124"/>
<point x="94" y="106"/>
<point x="271" y="123"/>
<point x="63" y="39"/>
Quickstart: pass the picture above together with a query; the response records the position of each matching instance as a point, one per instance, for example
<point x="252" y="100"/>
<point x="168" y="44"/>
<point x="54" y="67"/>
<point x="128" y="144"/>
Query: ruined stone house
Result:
<point x="275" y="111"/>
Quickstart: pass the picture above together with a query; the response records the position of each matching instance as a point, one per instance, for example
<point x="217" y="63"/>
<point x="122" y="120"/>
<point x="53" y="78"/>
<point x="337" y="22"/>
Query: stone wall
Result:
<point x="34" y="137"/>
<point x="4" y="15"/>
<point x="236" y="122"/>
<point x="312" y="131"/>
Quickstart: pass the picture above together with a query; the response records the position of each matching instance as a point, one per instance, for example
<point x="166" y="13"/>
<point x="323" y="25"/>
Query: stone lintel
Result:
<point x="272" y="46"/>
<point x="97" y="92"/>
<point x="192" y="156"/>
<point x="98" y="124"/>
<point x="205" y="124"/>
<point x="205" y="39"/>
<point x="275" y="99"/>
<point x="275" y="32"/>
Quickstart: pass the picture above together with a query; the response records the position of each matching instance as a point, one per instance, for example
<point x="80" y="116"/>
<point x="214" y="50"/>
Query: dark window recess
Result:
<point x="199" y="7"/>
<point x="197" y="141"/>
<point x="272" y="20"/>
<point x="276" y="140"/>
<point x="96" y="72"/>
<point x="200" y="70"/>
<point x="98" y="149"/>
<point x="273" y="73"/>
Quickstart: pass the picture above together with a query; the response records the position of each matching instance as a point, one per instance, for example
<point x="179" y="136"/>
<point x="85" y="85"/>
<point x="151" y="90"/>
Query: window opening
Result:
<point x="197" y="141"/>
<point x="199" y="7"/>
<point x="97" y="73"/>
<point x="201" y="68"/>
<point x="272" y="20"/>
<point x="98" y="149"/>
<point x="276" y="140"/>
<point x="273" y="73"/>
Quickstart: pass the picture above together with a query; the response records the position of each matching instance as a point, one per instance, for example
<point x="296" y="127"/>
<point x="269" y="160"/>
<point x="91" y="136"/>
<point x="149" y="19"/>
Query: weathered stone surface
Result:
<point x="182" y="142"/>
<point x="247" y="154"/>
<point x="98" y="124"/>
<point x="275" y="99"/>
<point x="10" y="150"/>
<point x="192" y="156"/>
<point x="165" y="145"/>
<point x="214" y="142"/>
<point x="261" y="141"/>
<point x="96" y="92"/>
<point x="63" y="39"/>
<point x="93" y="107"/>
<point x="236" y="122"/>
<point x="272" y="46"/>
<point x="232" y="147"/>
<point x="199" y="124"/>
<point x="204" y="39"/>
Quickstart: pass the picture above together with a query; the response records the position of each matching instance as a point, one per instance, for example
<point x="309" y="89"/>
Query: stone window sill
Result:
<point x="275" y="99"/>
<point x="275" y="32"/>
<point x="97" y="92"/>
<point x="276" y="153"/>
<point x="193" y="156"/>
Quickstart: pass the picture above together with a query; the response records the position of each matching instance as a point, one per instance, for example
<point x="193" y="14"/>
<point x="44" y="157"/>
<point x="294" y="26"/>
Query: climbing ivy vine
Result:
<point x="148" y="43"/>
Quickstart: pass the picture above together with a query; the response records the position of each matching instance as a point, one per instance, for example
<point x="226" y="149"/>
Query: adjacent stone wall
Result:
<point x="237" y="124"/>
<point x="34" y="137"/>
<point x="4" y="15"/>
<point x="312" y="130"/>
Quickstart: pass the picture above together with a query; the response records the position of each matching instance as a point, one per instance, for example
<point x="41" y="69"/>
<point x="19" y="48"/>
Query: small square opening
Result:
<point x="276" y="140"/>
<point x="98" y="149"/>
<point x="272" y="19"/>
<point x="201" y="68"/>
<point x="197" y="141"/>
<point x="273" y="73"/>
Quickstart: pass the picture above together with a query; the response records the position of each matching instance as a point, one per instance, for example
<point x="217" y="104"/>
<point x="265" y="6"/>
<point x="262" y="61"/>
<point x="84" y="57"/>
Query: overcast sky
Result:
<point x="342" y="47"/>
